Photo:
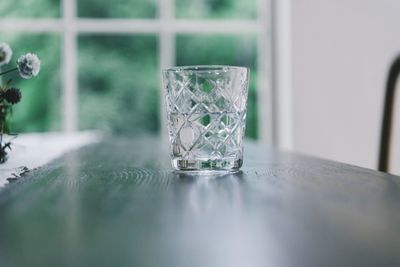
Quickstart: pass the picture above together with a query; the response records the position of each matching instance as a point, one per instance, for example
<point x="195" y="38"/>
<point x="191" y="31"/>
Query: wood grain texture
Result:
<point x="119" y="204"/>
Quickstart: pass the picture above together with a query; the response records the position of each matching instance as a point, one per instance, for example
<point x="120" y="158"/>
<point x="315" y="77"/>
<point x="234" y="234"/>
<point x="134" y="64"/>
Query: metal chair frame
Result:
<point x="387" y="120"/>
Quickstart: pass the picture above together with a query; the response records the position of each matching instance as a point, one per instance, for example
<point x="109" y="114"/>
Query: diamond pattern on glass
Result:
<point x="206" y="112"/>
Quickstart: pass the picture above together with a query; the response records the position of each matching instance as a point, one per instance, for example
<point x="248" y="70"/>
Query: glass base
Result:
<point x="231" y="165"/>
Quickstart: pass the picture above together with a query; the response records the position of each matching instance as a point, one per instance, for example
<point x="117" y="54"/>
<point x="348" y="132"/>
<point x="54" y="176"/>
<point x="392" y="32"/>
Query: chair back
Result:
<point x="387" y="120"/>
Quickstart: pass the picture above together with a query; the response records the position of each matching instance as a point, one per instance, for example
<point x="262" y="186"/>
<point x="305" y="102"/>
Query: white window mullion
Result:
<point x="264" y="93"/>
<point x="70" y="79"/>
<point x="31" y="25"/>
<point x="166" y="27"/>
<point x="214" y="26"/>
<point x="118" y="25"/>
<point x="167" y="36"/>
<point x="282" y="76"/>
<point x="167" y="50"/>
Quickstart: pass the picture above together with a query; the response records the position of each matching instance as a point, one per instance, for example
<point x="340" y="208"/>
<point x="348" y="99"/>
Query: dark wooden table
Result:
<point x="117" y="203"/>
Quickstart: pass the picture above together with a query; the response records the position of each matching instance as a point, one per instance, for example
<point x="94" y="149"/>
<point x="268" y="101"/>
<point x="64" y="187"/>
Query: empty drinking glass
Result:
<point x="206" y="112"/>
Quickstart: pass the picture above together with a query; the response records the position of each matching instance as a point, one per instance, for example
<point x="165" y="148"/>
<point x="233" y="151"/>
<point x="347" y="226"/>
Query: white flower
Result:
<point x="28" y="65"/>
<point x="5" y="53"/>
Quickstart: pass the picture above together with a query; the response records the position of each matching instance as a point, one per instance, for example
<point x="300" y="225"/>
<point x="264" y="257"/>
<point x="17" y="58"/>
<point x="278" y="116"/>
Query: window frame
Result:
<point x="166" y="27"/>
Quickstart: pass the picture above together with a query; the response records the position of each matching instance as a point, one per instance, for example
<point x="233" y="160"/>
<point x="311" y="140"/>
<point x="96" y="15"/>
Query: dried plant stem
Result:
<point x="1" y="118"/>
<point x="1" y="139"/>
<point x="7" y="71"/>
<point x="1" y="134"/>
<point x="1" y="125"/>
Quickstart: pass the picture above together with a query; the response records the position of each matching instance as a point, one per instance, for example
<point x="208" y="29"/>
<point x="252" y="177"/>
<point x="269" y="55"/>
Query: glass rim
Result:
<point x="205" y="68"/>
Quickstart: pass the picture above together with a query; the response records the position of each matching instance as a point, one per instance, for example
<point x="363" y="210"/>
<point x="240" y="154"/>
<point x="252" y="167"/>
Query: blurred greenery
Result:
<point x="223" y="50"/>
<point x="216" y="9"/>
<point x="118" y="83"/>
<point x="119" y="75"/>
<point x="29" y="8"/>
<point x="39" y="109"/>
<point x="117" y="8"/>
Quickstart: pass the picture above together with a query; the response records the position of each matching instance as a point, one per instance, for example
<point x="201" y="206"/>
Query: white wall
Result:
<point x="341" y="52"/>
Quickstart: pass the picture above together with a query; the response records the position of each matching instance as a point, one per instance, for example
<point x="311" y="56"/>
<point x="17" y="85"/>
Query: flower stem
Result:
<point x="1" y="126"/>
<point x="1" y="134"/>
<point x="7" y="71"/>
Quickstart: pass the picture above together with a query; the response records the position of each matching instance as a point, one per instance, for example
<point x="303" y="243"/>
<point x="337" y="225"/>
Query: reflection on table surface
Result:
<point x="117" y="203"/>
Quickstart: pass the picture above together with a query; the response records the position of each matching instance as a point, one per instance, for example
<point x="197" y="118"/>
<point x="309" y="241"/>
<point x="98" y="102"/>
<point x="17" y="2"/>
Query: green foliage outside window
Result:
<point x="119" y="74"/>
<point x="40" y="108"/>
<point x="119" y="83"/>
<point x="216" y="9"/>
<point x="117" y="8"/>
<point x="29" y="8"/>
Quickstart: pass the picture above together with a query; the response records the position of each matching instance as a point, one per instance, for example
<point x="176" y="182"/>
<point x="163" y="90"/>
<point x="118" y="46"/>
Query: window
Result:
<point x="102" y="59"/>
